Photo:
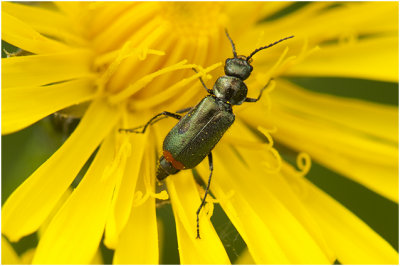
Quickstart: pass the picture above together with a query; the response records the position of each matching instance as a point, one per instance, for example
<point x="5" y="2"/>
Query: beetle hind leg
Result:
<point x="203" y="202"/>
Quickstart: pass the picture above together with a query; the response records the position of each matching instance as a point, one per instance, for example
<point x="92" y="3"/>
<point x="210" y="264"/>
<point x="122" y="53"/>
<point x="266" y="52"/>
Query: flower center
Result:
<point x="191" y="20"/>
<point x="153" y="68"/>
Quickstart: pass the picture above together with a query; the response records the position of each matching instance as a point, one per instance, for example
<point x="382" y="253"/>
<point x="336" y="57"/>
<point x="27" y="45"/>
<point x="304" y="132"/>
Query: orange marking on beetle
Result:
<point x="175" y="163"/>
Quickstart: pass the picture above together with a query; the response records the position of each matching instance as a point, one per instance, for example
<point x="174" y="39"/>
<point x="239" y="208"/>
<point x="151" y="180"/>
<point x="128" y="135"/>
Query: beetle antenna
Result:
<point x="233" y="45"/>
<point x="265" y="47"/>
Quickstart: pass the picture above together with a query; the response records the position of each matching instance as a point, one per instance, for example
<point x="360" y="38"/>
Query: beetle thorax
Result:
<point x="230" y="89"/>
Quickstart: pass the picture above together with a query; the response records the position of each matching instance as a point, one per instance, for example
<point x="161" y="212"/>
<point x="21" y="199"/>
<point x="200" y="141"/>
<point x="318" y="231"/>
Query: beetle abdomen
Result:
<point x="196" y="134"/>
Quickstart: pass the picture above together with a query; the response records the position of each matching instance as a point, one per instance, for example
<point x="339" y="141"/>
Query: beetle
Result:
<point x="197" y="132"/>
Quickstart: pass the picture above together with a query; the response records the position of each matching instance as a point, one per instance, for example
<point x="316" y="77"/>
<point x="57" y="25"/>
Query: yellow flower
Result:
<point x="123" y="62"/>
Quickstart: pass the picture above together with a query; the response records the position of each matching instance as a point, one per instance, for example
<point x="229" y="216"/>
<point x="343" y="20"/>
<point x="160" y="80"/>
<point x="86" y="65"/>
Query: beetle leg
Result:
<point x="181" y="111"/>
<point x="202" y="82"/>
<point x="151" y="121"/>
<point x="184" y="110"/>
<point x="203" y="202"/>
<point x="252" y="100"/>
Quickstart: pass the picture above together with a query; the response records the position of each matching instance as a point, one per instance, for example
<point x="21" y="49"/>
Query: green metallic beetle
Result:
<point x="196" y="133"/>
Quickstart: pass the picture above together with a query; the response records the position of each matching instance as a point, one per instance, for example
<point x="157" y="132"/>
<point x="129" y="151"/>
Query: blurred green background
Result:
<point x="23" y="152"/>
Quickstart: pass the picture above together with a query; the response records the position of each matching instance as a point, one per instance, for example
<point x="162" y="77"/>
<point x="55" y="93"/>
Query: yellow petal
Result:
<point x="55" y="210"/>
<point x="275" y="183"/>
<point x="344" y="21"/>
<point x="253" y="154"/>
<point x="377" y="120"/>
<point x="122" y="26"/>
<point x="72" y="9"/>
<point x="251" y="194"/>
<point x="245" y="258"/>
<point x="45" y="21"/>
<point x="30" y="204"/>
<point x="23" y="106"/>
<point x="262" y="245"/>
<point x="125" y="190"/>
<point x="138" y="241"/>
<point x="22" y="35"/>
<point x="271" y="8"/>
<point x="347" y="159"/>
<point x="286" y="25"/>
<point x="353" y="241"/>
<point x="254" y="12"/>
<point x="74" y="234"/>
<point x="185" y="201"/>
<point x="27" y="256"/>
<point x="344" y="139"/>
<point x="371" y="58"/>
<point x="8" y="254"/>
<point x="105" y="14"/>
<point x="98" y="258"/>
<point x="46" y="69"/>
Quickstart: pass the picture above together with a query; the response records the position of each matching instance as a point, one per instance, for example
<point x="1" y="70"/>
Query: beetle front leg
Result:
<point x="202" y="82"/>
<point x="252" y="100"/>
<point x="151" y="121"/>
<point x="203" y="202"/>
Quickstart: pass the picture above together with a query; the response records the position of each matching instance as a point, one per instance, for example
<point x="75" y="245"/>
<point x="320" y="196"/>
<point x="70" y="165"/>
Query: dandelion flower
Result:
<point x="121" y="63"/>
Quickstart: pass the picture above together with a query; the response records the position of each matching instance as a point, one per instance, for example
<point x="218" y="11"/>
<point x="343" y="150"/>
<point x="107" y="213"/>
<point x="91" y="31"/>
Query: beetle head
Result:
<point x="238" y="67"/>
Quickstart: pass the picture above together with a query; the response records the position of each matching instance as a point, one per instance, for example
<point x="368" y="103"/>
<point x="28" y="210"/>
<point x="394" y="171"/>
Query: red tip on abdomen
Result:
<point x="175" y="163"/>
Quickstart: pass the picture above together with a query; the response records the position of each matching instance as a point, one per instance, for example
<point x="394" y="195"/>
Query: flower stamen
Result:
<point x="139" y="84"/>
<point x="172" y="90"/>
<point x="125" y="52"/>
<point x="303" y="162"/>
<point x="115" y="166"/>
<point x="118" y="56"/>
<point x="273" y="151"/>
<point x="139" y="198"/>
<point x="269" y="167"/>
